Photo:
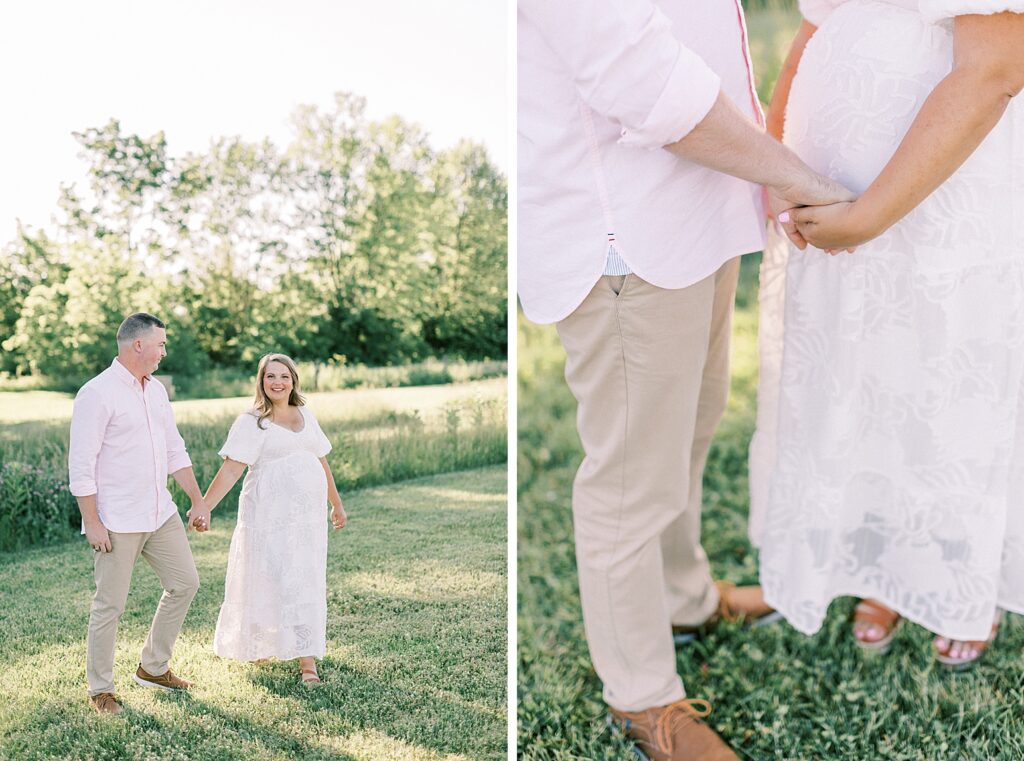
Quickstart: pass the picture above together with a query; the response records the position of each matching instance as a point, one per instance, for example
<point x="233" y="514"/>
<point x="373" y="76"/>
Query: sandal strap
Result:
<point x="870" y="613"/>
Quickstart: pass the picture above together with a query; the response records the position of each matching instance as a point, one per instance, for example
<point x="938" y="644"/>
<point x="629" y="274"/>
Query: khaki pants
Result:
<point x="649" y="368"/>
<point x="168" y="553"/>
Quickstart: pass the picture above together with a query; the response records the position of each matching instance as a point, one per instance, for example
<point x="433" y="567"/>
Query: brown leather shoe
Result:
<point x="735" y="604"/>
<point x="167" y="681"/>
<point x="105" y="702"/>
<point x="674" y="732"/>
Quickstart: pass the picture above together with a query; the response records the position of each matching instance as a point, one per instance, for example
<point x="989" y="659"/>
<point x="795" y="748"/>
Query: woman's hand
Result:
<point x="832" y="228"/>
<point x="338" y="516"/>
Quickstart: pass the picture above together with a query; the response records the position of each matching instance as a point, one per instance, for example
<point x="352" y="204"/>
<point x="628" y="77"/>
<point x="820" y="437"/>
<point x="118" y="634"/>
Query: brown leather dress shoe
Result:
<point x="167" y="681"/>
<point x="105" y="702"/>
<point x="735" y="604"/>
<point x="674" y="732"/>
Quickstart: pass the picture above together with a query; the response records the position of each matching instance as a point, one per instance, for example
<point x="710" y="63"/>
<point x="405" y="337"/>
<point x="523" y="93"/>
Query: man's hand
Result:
<point x="199" y="517"/>
<point x="832" y="228"/>
<point x="98" y="537"/>
<point x="338" y="516"/>
<point x="815" y="191"/>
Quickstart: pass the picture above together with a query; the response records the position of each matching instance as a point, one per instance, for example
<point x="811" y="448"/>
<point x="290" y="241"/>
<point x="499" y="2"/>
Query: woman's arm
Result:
<point x="988" y="70"/>
<point x="338" y="516"/>
<point x="776" y="117"/>
<point x="228" y="475"/>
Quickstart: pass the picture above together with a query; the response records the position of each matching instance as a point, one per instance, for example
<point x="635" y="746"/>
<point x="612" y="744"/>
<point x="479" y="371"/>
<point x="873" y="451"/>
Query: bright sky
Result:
<point x="203" y="69"/>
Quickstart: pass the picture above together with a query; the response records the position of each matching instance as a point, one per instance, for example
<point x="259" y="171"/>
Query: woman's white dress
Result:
<point x="889" y="455"/>
<point x="275" y="594"/>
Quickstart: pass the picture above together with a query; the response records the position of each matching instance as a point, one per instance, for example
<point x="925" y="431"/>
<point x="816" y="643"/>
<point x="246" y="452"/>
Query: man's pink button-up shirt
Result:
<point x="603" y="85"/>
<point x="124" y="443"/>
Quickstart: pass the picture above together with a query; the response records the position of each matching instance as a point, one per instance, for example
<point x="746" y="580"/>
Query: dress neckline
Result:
<point x="285" y="428"/>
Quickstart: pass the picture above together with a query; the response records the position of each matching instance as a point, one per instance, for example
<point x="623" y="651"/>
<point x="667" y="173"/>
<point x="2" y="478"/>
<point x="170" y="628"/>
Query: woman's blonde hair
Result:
<point x="262" y="406"/>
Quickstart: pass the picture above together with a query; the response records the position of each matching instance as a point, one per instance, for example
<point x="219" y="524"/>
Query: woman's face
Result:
<point x="277" y="382"/>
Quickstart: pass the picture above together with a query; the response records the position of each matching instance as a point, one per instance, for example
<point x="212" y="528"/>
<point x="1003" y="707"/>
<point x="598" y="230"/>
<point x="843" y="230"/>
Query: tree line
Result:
<point x="357" y="243"/>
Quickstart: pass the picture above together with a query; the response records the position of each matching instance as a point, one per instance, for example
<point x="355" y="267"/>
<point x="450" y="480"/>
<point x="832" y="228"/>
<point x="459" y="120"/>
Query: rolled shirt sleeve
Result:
<point x="89" y="418"/>
<point x="627" y="66"/>
<point x="177" y="454"/>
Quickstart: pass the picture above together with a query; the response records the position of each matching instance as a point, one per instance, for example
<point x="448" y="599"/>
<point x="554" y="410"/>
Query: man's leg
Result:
<point x="168" y="552"/>
<point x="692" y="597"/>
<point x="113" y="573"/>
<point x="634" y="362"/>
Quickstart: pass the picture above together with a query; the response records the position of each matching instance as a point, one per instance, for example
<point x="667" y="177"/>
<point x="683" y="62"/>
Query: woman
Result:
<point x="275" y="595"/>
<point x="889" y="457"/>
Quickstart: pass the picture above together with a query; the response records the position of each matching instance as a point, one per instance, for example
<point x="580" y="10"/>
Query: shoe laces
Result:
<point x="678" y="714"/>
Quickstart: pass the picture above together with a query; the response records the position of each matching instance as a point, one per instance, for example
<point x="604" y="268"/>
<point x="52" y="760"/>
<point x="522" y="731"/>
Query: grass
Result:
<point x="416" y="645"/>
<point x="777" y="694"/>
<point x="379" y="435"/>
<point x="221" y="382"/>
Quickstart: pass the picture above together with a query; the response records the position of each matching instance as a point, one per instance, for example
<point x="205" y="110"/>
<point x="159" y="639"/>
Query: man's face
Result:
<point x="152" y="348"/>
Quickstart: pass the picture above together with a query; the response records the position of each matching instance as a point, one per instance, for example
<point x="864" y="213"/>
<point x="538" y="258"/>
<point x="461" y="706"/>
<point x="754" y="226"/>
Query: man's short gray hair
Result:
<point x="135" y="325"/>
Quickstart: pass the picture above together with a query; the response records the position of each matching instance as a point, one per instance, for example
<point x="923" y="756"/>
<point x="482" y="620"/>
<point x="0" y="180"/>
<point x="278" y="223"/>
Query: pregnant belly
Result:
<point x="862" y="79"/>
<point x="292" y="490"/>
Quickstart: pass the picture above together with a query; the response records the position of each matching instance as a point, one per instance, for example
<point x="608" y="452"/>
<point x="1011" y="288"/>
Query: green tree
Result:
<point x="67" y="329"/>
<point x="468" y="313"/>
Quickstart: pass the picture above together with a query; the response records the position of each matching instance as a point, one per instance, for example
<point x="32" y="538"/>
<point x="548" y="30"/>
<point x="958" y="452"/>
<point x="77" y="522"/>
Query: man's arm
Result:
<point x="628" y="66"/>
<point x="199" y="513"/>
<point x="95" y="532"/>
<point x="89" y="420"/>
<point x="725" y="140"/>
<point x="179" y="465"/>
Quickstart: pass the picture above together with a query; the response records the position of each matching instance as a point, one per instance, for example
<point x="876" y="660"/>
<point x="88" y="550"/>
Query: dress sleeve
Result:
<point x="627" y="65"/>
<point x="321" y="444"/>
<point x="816" y="11"/>
<point x="245" y="440"/>
<point x="941" y="10"/>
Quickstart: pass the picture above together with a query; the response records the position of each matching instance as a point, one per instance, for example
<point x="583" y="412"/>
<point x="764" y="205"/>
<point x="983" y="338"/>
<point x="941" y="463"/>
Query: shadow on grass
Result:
<point x="414" y="711"/>
<point x="416" y="643"/>
<point x="205" y="731"/>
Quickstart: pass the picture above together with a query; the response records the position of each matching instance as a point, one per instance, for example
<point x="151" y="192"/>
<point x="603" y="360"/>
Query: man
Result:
<point x="640" y="143"/>
<point x="124" y="442"/>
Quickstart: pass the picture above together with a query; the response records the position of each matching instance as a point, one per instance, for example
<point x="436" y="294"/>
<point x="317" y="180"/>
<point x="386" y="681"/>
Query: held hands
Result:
<point x="815" y="191"/>
<point x="199" y="517"/>
<point x="98" y="537"/>
<point x="338" y="516"/>
<point x="832" y="228"/>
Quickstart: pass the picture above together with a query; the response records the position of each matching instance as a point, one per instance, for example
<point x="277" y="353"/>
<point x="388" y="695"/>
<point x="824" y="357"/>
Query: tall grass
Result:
<point x="220" y="382"/>
<point x="378" y="437"/>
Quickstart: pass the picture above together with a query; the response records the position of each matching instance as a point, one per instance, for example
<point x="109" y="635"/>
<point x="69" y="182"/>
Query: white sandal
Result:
<point x="309" y="677"/>
<point x="969" y="655"/>
<point x="873" y="613"/>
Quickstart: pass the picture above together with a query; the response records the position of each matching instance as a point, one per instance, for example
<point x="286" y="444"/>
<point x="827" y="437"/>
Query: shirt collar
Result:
<point x="124" y="375"/>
